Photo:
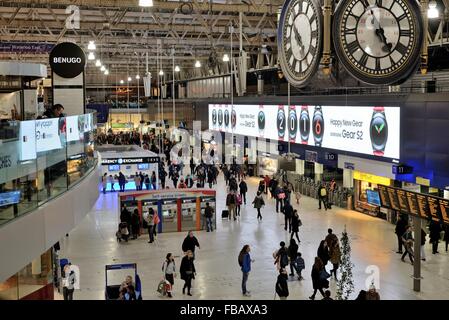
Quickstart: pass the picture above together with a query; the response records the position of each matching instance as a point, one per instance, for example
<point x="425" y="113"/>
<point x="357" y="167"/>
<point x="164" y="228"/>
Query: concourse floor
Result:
<point x="92" y="245"/>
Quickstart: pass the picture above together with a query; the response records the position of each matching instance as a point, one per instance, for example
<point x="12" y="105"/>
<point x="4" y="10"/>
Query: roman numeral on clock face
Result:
<point x="350" y="31"/>
<point x="403" y="16"/>
<point x="378" y="64"/>
<point x="353" y="46"/>
<point x="405" y="33"/>
<point x="364" y="59"/>
<point x="314" y="34"/>
<point x="365" y="3"/>
<point x="401" y="48"/>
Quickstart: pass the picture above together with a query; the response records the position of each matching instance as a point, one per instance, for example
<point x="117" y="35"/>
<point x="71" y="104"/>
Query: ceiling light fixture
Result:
<point x="137" y="77"/>
<point x="145" y="3"/>
<point x="103" y="69"/>
<point x="432" y="12"/>
<point x="98" y="63"/>
<point x="129" y="79"/>
<point x="177" y="69"/>
<point x="197" y="64"/>
<point x="106" y="72"/>
<point x="161" y="73"/>
<point x="225" y="57"/>
<point x="91" y="56"/>
<point x="91" y="46"/>
<point x="122" y="82"/>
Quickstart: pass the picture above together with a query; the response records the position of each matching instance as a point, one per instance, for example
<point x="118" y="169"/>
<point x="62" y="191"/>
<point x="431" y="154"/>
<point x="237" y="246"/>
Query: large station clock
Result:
<point x="300" y="40"/>
<point x="378" y="41"/>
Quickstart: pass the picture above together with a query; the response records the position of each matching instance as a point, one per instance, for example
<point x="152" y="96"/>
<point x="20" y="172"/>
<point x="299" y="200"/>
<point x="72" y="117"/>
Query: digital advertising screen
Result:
<point x="373" y="197"/>
<point x="143" y="166"/>
<point x="47" y="135"/>
<point x="114" y="167"/>
<point x="9" y="198"/>
<point x="367" y="130"/>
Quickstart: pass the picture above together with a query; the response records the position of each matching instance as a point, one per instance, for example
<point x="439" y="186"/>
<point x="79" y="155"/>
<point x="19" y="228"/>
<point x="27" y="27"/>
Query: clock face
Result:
<point x="304" y="125"/>
<point x="318" y="127"/>
<point x="226" y="118"/>
<point x="300" y="40"/>
<point x="281" y="123"/>
<point x="214" y="117"/>
<point x="220" y="117"/>
<point x="379" y="132"/>
<point x="378" y="41"/>
<point x="292" y="124"/>
<point x="233" y="118"/>
<point x="261" y="120"/>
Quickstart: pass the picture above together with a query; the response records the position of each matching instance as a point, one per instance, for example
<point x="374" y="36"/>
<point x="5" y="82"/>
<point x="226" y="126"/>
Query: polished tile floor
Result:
<point x="92" y="245"/>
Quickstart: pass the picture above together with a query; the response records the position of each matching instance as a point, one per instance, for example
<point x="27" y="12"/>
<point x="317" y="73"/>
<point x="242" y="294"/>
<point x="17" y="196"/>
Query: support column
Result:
<point x="300" y="166"/>
<point x="417" y="260"/>
<point x="319" y="170"/>
<point x="260" y="84"/>
<point x="348" y="178"/>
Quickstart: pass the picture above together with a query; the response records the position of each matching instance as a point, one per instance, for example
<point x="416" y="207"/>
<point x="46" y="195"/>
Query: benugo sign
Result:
<point x="67" y="60"/>
<point x="372" y="130"/>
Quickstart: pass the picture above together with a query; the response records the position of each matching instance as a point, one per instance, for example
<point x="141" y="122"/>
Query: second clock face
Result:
<point x="300" y="40"/>
<point x="378" y="41"/>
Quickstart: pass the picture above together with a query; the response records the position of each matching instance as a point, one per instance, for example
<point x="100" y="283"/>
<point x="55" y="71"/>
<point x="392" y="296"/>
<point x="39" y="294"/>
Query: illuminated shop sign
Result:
<point x="130" y="160"/>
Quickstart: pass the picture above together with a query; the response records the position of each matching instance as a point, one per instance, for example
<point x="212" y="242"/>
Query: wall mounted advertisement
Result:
<point x="47" y="135"/>
<point x="73" y="132"/>
<point x="368" y="130"/>
<point x="27" y="140"/>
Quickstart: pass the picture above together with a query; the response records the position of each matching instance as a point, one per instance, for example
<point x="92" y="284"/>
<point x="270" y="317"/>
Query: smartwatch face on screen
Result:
<point x="318" y="127"/>
<point x="226" y="118"/>
<point x="233" y="118"/>
<point x="214" y="117"/>
<point x="220" y="117"/>
<point x="304" y="125"/>
<point x="379" y="132"/>
<point x="280" y="121"/>
<point x="261" y="120"/>
<point x="292" y="124"/>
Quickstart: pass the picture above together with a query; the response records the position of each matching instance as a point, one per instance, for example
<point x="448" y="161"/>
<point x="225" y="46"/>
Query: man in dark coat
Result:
<point x="190" y="242"/>
<point x="435" y="230"/>
<point x="401" y="226"/>
<point x="288" y="214"/>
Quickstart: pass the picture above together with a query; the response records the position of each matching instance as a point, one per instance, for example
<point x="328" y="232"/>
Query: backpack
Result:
<point x="231" y="199"/>
<point x="284" y="260"/>
<point x="323" y="192"/>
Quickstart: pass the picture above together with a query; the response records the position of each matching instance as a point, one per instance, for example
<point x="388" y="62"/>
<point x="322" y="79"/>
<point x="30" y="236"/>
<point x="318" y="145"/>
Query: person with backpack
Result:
<point x="281" y="256"/>
<point x="322" y="197"/>
<point x="258" y="204"/>
<point x="318" y="282"/>
<point x="282" y="284"/>
<point x="208" y="214"/>
<point x="150" y="223"/>
<point x="231" y="203"/>
<point x="245" y="261"/>
<point x="169" y="270"/>
<point x="243" y="190"/>
<point x="296" y="223"/>
<point x="238" y="198"/>
<point x="288" y="214"/>
<point x="300" y="265"/>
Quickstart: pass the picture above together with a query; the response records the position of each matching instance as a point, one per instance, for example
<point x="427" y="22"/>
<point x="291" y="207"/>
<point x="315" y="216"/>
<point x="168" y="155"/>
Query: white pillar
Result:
<point x="446" y="194"/>
<point x="300" y="165"/>
<point x="348" y="178"/>
<point x="319" y="170"/>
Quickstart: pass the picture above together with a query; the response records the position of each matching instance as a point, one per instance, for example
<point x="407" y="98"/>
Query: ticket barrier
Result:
<point x="169" y="209"/>
<point x="188" y="214"/>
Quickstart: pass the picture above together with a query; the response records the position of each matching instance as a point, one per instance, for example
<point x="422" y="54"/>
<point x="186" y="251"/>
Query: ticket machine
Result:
<point x="169" y="210"/>
<point x="211" y="201"/>
<point x="188" y="214"/>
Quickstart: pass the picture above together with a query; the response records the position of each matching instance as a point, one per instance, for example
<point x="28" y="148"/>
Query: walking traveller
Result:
<point x="68" y="283"/>
<point x="401" y="226"/>
<point x="169" y="270"/>
<point x="296" y="223"/>
<point x="258" y="204"/>
<point x="318" y="281"/>
<point x="231" y="203"/>
<point x="282" y="284"/>
<point x="335" y="257"/>
<point x="239" y="203"/>
<point x="135" y="224"/>
<point x="292" y="255"/>
<point x="322" y="197"/>
<point x="243" y="190"/>
<point x="150" y="223"/>
<point x="281" y="256"/>
<point x="435" y="230"/>
<point x="187" y="271"/>
<point x="288" y="214"/>
<point x="323" y="253"/>
<point x="245" y="261"/>
<point x="208" y="214"/>
<point x="190" y="243"/>
<point x="408" y="240"/>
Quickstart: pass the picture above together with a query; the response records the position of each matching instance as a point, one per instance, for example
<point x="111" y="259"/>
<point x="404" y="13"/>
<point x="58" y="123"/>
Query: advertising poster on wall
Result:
<point x="73" y="132"/>
<point x="47" y="135"/>
<point x="27" y="140"/>
<point x="368" y="130"/>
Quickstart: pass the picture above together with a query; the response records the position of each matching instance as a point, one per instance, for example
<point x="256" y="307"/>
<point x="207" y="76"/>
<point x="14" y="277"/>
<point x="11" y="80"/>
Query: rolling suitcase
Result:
<point x="225" y="214"/>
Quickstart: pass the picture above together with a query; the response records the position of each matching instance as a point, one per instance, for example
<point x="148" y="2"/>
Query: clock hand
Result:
<point x="380" y="32"/>
<point x="299" y="39"/>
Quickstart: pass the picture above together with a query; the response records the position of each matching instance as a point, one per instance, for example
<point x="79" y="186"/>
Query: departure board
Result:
<point x="384" y="199"/>
<point x="412" y="203"/>
<point x="402" y="198"/>
<point x="423" y="206"/>
<point x="394" y="201"/>
<point x="444" y="208"/>
<point x="434" y="208"/>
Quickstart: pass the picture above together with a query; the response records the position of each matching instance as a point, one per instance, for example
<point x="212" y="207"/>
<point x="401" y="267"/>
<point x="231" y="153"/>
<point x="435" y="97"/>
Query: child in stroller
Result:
<point x="122" y="233"/>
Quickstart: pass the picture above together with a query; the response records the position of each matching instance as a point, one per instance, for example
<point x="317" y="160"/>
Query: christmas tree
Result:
<point x="345" y="286"/>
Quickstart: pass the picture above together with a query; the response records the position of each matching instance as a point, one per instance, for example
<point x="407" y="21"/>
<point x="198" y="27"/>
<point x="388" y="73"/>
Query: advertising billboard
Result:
<point x="47" y="135"/>
<point x="27" y="140"/>
<point x="73" y="132"/>
<point x="367" y="130"/>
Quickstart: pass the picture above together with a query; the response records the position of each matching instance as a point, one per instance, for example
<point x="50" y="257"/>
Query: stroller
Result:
<point x="122" y="232"/>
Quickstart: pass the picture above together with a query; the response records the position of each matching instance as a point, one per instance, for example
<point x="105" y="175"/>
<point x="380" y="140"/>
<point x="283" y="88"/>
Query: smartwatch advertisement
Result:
<point x="370" y="130"/>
